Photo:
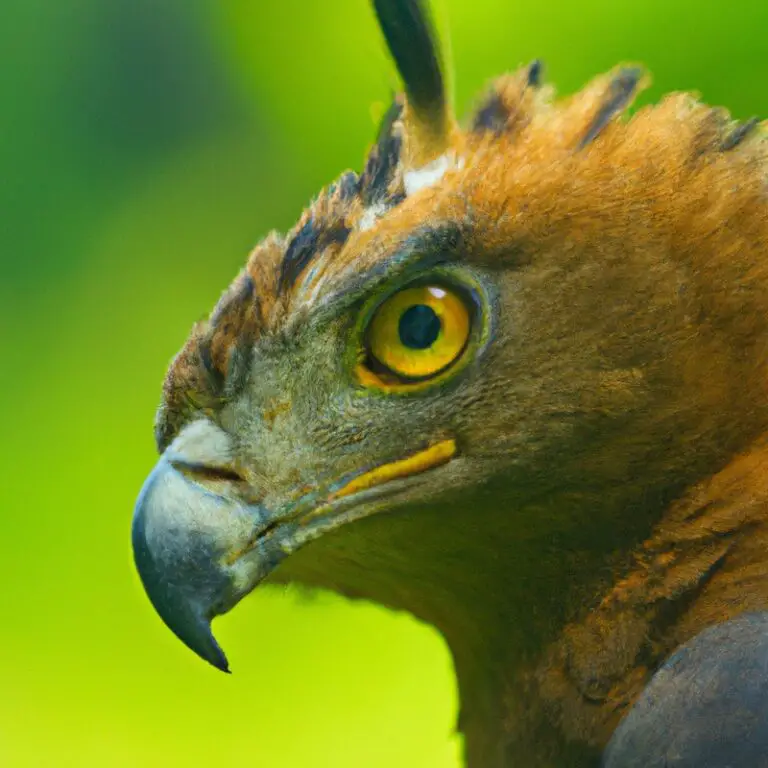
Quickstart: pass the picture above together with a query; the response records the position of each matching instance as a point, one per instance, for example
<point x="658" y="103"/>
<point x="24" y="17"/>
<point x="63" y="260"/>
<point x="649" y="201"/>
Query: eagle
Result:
<point x="512" y="378"/>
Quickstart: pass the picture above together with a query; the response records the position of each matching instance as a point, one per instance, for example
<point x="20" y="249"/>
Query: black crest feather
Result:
<point x="410" y="35"/>
<point x="738" y="134"/>
<point x="619" y="94"/>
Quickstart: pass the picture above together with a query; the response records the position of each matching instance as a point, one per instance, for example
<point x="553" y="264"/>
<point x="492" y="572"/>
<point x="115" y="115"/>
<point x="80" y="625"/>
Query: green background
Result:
<point x="145" y="146"/>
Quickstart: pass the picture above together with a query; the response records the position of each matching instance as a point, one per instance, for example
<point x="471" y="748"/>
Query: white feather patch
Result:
<point x="370" y="214"/>
<point x="428" y="175"/>
<point x="201" y="442"/>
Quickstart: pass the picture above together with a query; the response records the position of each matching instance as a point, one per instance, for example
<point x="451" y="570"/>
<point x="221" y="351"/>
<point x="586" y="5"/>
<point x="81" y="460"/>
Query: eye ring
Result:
<point x="415" y="335"/>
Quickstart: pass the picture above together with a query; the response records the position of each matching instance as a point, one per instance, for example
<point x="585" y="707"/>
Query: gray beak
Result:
<point x="184" y="536"/>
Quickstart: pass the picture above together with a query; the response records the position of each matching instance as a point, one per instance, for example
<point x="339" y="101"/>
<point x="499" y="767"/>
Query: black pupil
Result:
<point x="419" y="326"/>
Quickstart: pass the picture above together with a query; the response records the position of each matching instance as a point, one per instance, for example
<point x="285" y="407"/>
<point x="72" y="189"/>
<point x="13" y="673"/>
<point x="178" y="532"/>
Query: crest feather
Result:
<point x="412" y="40"/>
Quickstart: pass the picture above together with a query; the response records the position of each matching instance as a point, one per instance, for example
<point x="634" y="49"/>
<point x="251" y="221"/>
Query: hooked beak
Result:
<point x="184" y="535"/>
<point x="199" y="549"/>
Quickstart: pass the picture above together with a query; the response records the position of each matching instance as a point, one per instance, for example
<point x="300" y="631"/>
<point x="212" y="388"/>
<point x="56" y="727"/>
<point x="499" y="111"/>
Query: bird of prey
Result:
<point x="512" y="378"/>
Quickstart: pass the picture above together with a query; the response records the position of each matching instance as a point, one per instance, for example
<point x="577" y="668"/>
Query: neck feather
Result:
<point x="498" y="583"/>
<point x="546" y="623"/>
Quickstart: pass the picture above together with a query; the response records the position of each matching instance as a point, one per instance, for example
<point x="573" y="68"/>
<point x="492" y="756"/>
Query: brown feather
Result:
<point x="639" y="248"/>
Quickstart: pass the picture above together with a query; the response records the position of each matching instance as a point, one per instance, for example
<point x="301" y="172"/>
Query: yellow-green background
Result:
<point x="145" y="145"/>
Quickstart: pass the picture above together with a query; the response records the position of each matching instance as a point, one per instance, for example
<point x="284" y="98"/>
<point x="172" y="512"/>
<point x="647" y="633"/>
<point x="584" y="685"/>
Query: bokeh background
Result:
<point x="145" y="146"/>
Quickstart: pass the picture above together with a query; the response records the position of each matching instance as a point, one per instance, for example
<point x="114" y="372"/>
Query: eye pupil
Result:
<point x="419" y="327"/>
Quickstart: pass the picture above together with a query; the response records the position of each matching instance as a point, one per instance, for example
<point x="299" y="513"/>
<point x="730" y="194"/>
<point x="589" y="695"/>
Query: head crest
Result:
<point x="412" y="41"/>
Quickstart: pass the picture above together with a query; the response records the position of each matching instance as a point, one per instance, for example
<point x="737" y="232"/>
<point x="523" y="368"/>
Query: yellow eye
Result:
<point x="418" y="332"/>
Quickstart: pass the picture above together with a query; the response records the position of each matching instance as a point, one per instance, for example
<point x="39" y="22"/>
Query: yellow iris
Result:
<point x="419" y="331"/>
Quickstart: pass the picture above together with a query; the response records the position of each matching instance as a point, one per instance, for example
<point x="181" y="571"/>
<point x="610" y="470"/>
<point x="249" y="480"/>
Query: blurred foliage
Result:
<point x="145" y="146"/>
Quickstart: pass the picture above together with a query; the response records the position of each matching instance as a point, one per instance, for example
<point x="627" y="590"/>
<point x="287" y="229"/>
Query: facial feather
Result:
<point x="674" y="187"/>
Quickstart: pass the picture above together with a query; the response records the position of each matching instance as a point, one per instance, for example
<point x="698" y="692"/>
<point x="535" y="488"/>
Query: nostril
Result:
<point x="206" y="473"/>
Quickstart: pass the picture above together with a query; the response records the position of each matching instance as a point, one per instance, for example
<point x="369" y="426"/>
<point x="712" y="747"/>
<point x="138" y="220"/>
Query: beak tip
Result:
<point x="211" y="652"/>
<point x="182" y="583"/>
